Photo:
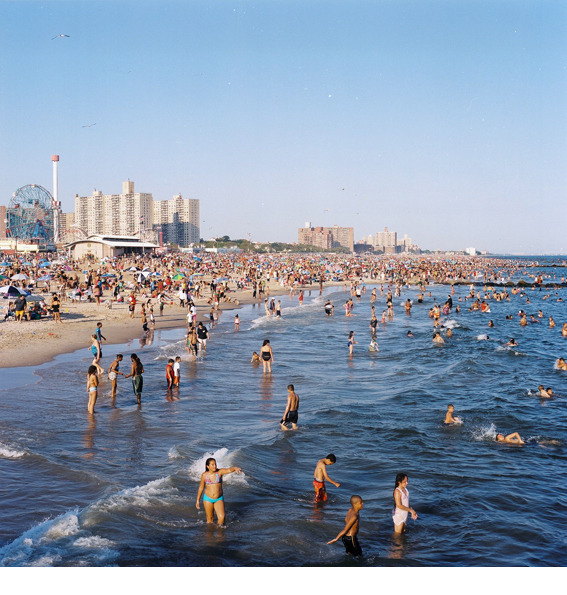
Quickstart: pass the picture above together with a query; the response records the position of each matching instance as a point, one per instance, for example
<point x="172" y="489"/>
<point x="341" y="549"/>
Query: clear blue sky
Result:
<point x="445" y="120"/>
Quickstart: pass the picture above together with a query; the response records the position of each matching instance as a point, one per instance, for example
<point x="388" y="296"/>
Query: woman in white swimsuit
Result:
<point x="402" y="507"/>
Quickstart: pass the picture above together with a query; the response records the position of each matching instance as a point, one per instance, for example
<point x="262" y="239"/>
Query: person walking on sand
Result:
<point x="320" y="475"/>
<point x="95" y="350"/>
<point x="211" y="484"/>
<point x="267" y="356"/>
<point x="92" y="388"/>
<point x="349" y="534"/>
<point x="136" y="375"/>
<point x="55" y="308"/>
<point x="401" y="504"/>
<point x="291" y="412"/>
<point x="113" y="372"/>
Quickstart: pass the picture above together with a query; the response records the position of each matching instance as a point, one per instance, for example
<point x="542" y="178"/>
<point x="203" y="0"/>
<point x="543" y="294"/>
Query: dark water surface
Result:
<point x="120" y="489"/>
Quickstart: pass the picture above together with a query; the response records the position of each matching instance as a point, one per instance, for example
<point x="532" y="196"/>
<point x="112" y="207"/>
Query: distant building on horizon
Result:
<point x="3" y="221"/>
<point x="326" y="238"/>
<point x="176" y="221"/>
<point x="125" y="214"/>
<point x="387" y="242"/>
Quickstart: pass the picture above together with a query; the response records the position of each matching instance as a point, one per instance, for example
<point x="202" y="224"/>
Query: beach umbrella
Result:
<point x="45" y="278"/>
<point x="11" y="290"/>
<point x="44" y="264"/>
<point x="133" y="269"/>
<point x="178" y="277"/>
<point x="34" y="298"/>
<point x="107" y="275"/>
<point x="5" y="264"/>
<point x="67" y="268"/>
<point x="2" y="278"/>
<point x="19" y="277"/>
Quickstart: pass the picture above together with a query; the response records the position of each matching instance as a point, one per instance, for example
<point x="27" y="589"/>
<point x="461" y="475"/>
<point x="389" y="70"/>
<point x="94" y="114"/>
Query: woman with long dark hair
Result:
<point x="402" y="507"/>
<point x="211" y="484"/>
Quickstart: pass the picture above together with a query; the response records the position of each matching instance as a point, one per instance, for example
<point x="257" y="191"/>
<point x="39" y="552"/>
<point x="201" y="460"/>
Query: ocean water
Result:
<point x="120" y="488"/>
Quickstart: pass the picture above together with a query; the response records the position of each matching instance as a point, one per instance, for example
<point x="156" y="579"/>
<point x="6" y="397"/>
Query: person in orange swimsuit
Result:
<point x="321" y="475"/>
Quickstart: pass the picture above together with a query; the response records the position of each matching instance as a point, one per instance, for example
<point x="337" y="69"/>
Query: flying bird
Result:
<point x="89" y="125"/>
<point x="60" y="35"/>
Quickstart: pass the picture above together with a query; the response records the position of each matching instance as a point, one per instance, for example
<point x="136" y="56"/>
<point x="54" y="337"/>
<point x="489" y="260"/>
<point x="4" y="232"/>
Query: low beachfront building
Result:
<point x="101" y="246"/>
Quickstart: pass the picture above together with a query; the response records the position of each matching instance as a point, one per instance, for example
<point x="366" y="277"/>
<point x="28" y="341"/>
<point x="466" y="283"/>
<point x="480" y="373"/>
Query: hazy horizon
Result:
<point x="442" y="120"/>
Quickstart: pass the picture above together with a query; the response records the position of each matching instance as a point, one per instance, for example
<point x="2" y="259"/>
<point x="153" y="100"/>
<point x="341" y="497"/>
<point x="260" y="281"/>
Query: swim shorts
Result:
<point x="320" y="491"/>
<point x="291" y="417"/>
<point x="137" y="384"/>
<point x="351" y="545"/>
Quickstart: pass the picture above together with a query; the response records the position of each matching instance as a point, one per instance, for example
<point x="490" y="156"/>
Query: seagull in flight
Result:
<point x="89" y="125"/>
<point x="60" y="35"/>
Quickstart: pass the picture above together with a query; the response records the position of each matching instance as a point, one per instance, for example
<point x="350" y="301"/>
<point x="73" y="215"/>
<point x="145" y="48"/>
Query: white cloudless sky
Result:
<point x="445" y="120"/>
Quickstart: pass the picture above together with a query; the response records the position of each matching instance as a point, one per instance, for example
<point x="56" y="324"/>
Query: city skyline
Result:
<point x="442" y="119"/>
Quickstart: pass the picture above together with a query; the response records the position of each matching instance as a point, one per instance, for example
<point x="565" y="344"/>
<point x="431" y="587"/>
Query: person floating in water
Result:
<point x="449" y="419"/>
<point x="513" y="438"/>
<point x="561" y="364"/>
<point x="349" y="534"/>
<point x="291" y="412"/>
<point x="211" y="484"/>
<point x="321" y="475"/>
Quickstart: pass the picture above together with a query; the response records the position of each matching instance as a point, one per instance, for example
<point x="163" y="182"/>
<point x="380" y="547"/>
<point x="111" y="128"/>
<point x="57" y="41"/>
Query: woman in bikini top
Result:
<point x="211" y="485"/>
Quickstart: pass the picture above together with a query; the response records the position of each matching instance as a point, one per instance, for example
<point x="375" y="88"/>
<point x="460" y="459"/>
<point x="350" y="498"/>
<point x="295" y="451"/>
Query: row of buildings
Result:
<point x="174" y="221"/>
<point x="387" y="242"/>
<point x="328" y="238"/>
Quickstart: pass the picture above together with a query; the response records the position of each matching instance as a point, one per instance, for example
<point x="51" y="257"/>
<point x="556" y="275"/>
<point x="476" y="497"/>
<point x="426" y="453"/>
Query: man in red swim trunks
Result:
<point x="321" y="475"/>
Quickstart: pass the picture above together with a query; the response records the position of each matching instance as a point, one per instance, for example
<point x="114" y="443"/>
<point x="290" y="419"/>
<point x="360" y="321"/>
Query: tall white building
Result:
<point x="386" y="239"/>
<point x="125" y="214"/>
<point x="177" y="221"/>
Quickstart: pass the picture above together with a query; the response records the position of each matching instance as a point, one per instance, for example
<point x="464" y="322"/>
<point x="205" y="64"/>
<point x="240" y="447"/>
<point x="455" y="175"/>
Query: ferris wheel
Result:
<point x="30" y="214"/>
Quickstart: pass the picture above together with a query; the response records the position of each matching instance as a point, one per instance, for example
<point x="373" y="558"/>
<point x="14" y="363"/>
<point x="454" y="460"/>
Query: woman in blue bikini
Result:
<point x="211" y="483"/>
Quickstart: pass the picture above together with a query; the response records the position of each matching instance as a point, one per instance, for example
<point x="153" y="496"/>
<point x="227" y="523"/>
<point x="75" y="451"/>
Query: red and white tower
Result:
<point x="56" y="204"/>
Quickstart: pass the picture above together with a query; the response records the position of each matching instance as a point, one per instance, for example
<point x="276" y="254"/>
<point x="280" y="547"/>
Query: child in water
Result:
<point x="449" y="418"/>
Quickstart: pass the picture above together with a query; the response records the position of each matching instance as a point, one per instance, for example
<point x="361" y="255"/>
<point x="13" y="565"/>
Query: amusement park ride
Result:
<point x="33" y="215"/>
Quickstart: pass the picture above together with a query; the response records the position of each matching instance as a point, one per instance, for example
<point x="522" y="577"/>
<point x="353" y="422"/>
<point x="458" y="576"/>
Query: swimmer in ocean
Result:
<point x="349" y="534"/>
<point x="211" y="484"/>
<point x="291" y="412"/>
<point x="373" y="346"/>
<point x="409" y="335"/>
<point x="401" y="504"/>
<point x="437" y="338"/>
<point x="561" y="364"/>
<point x="543" y="392"/>
<point x="267" y="356"/>
<point x="255" y="358"/>
<point x="320" y="475"/>
<point x="92" y="387"/>
<point x="449" y="419"/>
<point x="513" y="438"/>
<point x="511" y="343"/>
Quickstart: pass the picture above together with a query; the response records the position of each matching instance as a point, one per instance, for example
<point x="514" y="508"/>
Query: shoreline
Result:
<point x="36" y="342"/>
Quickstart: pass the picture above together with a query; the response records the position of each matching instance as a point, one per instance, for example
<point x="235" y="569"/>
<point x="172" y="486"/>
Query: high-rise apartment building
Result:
<point x="386" y="239"/>
<point x="326" y="237"/>
<point x="3" y="221"/>
<point x="125" y="214"/>
<point x="177" y="221"/>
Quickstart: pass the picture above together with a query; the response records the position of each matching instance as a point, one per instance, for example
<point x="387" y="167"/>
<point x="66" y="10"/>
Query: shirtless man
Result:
<point x="291" y="410"/>
<point x="437" y="338"/>
<point x="350" y="532"/>
<point x="513" y="438"/>
<point x="544" y="393"/>
<point x="449" y="419"/>
<point x="321" y="475"/>
<point x="561" y="364"/>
